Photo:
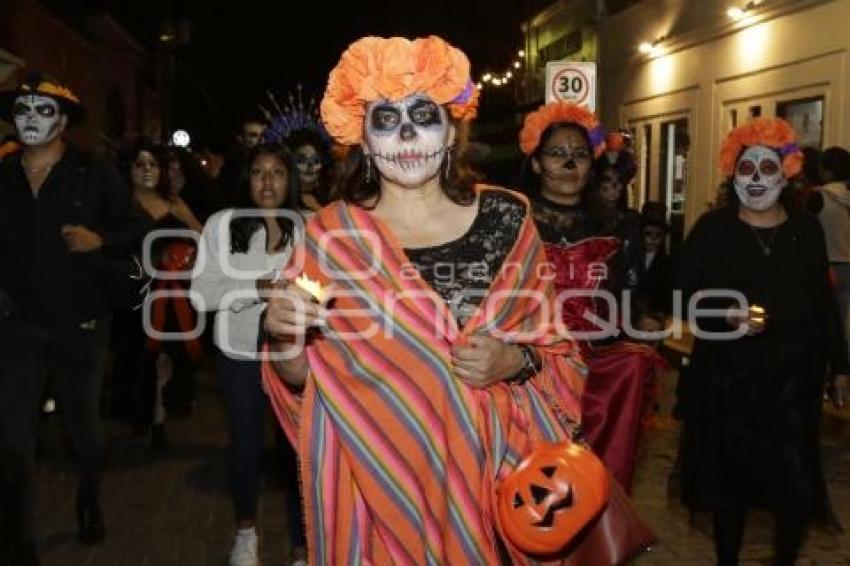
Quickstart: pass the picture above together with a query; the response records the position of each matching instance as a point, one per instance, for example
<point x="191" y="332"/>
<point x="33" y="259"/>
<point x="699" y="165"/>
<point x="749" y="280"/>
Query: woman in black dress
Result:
<point x="153" y="377"/>
<point x="750" y="404"/>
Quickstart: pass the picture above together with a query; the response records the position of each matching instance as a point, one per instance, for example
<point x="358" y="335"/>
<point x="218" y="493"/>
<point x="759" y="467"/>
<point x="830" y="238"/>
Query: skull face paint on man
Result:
<point x="759" y="178"/>
<point x="409" y="139"/>
<point x="38" y="119"/>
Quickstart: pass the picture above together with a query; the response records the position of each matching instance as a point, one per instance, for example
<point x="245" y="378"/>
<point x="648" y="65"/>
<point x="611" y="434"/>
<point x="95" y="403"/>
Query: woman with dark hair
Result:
<point x="751" y="398"/>
<point x="433" y="367"/>
<point x="564" y="143"/>
<point x="239" y="251"/>
<point x="153" y="378"/>
<point x="314" y="162"/>
<point x="298" y="127"/>
<point x="561" y="204"/>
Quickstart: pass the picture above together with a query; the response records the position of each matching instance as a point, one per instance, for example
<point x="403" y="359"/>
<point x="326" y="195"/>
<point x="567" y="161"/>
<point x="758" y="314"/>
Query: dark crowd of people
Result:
<point x="500" y="321"/>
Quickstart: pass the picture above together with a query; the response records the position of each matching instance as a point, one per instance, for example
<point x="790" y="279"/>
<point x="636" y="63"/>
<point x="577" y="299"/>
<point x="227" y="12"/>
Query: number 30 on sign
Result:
<point x="568" y="81"/>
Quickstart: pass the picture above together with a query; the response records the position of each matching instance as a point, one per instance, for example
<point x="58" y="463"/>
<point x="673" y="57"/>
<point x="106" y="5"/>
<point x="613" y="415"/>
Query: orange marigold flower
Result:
<point x="560" y="112"/>
<point x="374" y="68"/>
<point x="614" y="141"/>
<point x="775" y="133"/>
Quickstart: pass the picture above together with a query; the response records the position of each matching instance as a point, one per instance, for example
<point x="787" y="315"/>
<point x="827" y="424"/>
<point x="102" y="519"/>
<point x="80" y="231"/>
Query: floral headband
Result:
<point x="557" y="112"/>
<point x="375" y="68"/>
<point x="775" y="133"/>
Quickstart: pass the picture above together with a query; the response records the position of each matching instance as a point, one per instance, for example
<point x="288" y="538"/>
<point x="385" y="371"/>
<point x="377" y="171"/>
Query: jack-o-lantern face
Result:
<point x="178" y="256"/>
<point x="551" y="496"/>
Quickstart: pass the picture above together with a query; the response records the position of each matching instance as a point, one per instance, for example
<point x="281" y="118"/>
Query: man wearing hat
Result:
<point x="61" y="212"/>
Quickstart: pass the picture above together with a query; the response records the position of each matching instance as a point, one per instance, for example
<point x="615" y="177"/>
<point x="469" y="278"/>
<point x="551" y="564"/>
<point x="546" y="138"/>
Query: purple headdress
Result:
<point x="292" y="117"/>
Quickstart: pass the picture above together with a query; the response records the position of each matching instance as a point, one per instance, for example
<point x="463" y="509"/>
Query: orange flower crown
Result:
<point x="775" y="133"/>
<point x="555" y="112"/>
<point x="375" y="68"/>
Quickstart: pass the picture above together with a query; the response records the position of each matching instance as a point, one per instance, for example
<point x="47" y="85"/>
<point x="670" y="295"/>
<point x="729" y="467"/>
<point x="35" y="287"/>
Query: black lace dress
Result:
<point x="462" y="270"/>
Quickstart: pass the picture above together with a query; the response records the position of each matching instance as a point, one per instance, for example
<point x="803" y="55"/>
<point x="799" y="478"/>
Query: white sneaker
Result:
<point x="244" y="551"/>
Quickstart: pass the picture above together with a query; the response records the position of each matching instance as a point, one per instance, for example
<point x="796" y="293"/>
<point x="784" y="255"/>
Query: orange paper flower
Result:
<point x="556" y="112"/>
<point x="374" y="68"/>
<point x="775" y="133"/>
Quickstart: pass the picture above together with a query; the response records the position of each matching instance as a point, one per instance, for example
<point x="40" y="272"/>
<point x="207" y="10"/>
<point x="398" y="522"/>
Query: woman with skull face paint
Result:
<point x="417" y="391"/>
<point x="562" y="141"/>
<point x="299" y="127"/>
<point x="751" y="403"/>
<point x="312" y="157"/>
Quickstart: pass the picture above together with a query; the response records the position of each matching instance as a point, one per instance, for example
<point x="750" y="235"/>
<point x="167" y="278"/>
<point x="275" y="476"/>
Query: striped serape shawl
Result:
<point x="399" y="458"/>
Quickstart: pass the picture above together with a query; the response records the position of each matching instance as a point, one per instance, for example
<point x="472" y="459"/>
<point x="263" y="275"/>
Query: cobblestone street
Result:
<point x="172" y="508"/>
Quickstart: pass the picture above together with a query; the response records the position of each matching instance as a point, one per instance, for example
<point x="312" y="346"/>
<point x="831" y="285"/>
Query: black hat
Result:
<point x="654" y="213"/>
<point x="37" y="83"/>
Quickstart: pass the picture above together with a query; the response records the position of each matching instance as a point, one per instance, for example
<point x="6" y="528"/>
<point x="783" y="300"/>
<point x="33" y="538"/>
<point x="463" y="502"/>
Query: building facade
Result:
<point x="680" y="74"/>
<point x="97" y="59"/>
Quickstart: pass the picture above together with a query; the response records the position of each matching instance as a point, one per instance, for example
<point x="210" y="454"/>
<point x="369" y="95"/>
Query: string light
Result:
<point x="499" y="79"/>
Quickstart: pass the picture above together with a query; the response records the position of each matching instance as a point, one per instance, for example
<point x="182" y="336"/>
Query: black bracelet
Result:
<point x="531" y="367"/>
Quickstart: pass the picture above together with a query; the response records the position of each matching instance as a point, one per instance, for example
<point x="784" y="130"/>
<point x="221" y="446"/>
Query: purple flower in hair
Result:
<point x="597" y="136"/>
<point x="465" y="95"/>
<point x="788" y="149"/>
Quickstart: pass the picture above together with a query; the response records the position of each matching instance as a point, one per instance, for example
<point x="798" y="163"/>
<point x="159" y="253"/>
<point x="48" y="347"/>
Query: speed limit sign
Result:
<point x="569" y="81"/>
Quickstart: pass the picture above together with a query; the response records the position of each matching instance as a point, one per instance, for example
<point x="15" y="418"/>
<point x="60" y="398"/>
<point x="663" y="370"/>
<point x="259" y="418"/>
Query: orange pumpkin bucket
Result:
<point x="551" y="496"/>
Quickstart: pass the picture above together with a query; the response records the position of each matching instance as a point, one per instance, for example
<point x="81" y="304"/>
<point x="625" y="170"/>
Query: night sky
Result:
<point x="236" y="53"/>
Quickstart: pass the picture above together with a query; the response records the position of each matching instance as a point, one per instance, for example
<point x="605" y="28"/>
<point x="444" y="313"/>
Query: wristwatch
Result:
<point x="532" y="364"/>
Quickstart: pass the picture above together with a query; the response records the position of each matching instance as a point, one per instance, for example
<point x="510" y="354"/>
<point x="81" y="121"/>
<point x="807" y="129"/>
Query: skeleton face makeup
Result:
<point x="408" y="140"/>
<point x="759" y="179"/>
<point x="564" y="165"/>
<point x="38" y="119"/>
<point x="309" y="164"/>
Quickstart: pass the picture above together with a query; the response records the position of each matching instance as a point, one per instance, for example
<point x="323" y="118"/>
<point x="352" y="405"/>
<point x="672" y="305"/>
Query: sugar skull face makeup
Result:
<point x="759" y="178"/>
<point x="564" y="164"/>
<point x="309" y="163"/>
<point x="409" y="139"/>
<point x="38" y="119"/>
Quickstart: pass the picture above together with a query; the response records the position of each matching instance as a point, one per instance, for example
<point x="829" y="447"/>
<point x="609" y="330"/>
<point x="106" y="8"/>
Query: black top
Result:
<point x="562" y="223"/>
<point x="783" y="269"/>
<point x="47" y="283"/>
<point x="462" y="270"/>
<point x="653" y="294"/>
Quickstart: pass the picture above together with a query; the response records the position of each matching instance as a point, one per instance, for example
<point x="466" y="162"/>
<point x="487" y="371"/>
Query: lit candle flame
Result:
<point x="311" y="286"/>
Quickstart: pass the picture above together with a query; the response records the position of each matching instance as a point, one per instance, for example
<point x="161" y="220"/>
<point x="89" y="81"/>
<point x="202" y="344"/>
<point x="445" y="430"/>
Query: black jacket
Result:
<point x="47" y="284"/>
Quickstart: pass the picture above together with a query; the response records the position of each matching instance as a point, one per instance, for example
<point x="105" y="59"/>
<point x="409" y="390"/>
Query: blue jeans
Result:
<point x="246" y="404"/>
